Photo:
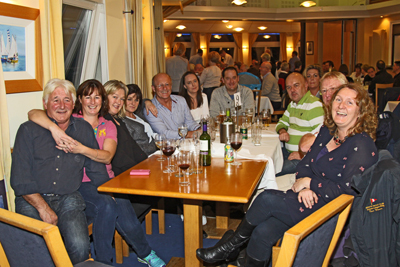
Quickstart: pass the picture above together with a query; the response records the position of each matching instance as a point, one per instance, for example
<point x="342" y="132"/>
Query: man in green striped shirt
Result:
<point x="303" y="115"/>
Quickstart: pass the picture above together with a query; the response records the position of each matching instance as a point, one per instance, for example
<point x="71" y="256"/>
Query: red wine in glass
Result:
<point x="168" y="150"/>
<point x="236" y="145"/>
<point x="184" y="166"/>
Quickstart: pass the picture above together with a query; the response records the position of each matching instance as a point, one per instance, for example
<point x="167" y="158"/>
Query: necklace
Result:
<point x="337" y="140"/>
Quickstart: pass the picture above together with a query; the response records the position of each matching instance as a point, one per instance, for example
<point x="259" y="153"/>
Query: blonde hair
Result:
<point x="111" y="87"/>
<point x="179" y="49"/>
<point x="53" y="84"/>
<point x="214" y="57"/>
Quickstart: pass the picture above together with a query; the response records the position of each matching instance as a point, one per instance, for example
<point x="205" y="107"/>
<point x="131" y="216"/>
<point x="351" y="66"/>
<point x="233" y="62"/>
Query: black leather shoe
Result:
<point x="250" y="262"/>
<point x="229" y="249"/>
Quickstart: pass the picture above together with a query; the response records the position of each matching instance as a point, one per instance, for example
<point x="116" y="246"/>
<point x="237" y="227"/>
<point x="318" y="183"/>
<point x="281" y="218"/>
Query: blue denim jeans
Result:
<point x="289" y="166"/>
<point x="71" y="222"/>
<point x="109" y="214"/>
<point x="271" y="217"/>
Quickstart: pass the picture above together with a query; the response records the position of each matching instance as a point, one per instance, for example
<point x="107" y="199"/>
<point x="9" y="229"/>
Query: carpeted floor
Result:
<point x="167" y="245"/>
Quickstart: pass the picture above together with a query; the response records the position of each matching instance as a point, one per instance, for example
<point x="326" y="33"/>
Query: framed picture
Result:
<point x="20" y="48"/>
<point x="310" y="48"/>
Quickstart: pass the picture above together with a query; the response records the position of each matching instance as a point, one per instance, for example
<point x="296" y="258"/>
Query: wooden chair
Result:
<point x="320" y="222"/>
<point x="380" y="86"/>
<point x="143" y="212"/>
<point x="29" y="242"/>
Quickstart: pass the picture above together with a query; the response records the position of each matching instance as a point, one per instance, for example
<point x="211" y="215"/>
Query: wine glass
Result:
<point x="195" y="137"/>
<point x="159" y="139"/>
<point x="183" y="162"/>
<point x="168" y="149"/>
<point x="183" y="131"/>
<point x="236" y="143"/>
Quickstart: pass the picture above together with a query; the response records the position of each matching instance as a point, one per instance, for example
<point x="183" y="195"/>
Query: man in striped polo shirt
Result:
<point x="303" y="115"/>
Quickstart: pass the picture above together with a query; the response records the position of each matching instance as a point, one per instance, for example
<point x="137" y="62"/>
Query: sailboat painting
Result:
<point x="12" y="48"/>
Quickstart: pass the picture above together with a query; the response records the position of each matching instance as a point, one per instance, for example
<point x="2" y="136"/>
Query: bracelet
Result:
<point x="96" y="154"/>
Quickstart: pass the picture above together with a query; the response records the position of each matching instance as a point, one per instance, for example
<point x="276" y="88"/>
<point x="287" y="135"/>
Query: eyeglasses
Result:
<point x="162" y="85"/>
<point x="330" y="90"/>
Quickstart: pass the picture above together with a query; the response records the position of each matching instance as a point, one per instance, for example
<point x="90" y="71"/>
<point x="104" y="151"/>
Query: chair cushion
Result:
<point x="313" y="248"/>
<point x="91" y="264"/>
<point x="24" y="248"/>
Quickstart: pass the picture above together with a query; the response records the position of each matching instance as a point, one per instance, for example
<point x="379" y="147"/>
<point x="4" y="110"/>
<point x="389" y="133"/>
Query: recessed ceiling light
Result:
<point x="238" y="29"/>
<point x="181" y="27"/>
<point x="289" y="20"/>
<point x="381" y="17"/>
<point x="239" y="2"/>
<point x="179" y="35"/>
<point x="165" y="20"/>
<point x="267" y="36"/>
<point x="262" y="28"/>
<point x="308" y="4"/>
<point x="229" y="26"/>
<point x="217" y="36"/>
<point x="225" y="21"/>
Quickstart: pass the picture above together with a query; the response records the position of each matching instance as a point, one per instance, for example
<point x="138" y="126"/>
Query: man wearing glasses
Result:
<point x="173" y="110"/>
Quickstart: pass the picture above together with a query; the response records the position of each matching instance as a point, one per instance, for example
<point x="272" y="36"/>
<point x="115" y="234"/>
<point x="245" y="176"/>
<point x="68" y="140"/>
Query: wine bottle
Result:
<point x="228" y="118"/>
<point x="205" y="145"/>
<point x="228" y="151"/>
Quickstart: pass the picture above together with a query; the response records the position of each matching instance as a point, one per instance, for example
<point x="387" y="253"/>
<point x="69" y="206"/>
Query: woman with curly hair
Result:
<point x="344" y="147"/>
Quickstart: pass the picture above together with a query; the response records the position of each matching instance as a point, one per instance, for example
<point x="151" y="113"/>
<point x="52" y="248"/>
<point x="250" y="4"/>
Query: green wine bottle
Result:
<point x="205" y="145"/>
<point x="228" y="118"/>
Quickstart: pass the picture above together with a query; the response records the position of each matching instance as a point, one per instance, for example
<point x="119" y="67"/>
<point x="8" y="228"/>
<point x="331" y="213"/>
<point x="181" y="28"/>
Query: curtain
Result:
<point x="296" y="39"/>
<point x="170" y="41"/>
<point x="159" y="35"/>
<point x="52" y="39"/>
<point x="149" y="57"/>
<point x="283" y="46"/>
<point x="136" y="35"/>
<point x="5" y="152"/>
<point x="238" y="49"/>
<point x="252" y="39"/>
<point x="196" y="42"/>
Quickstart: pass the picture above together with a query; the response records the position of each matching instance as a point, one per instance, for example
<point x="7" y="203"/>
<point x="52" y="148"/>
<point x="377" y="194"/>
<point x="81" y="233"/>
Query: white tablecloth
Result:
<point x="265" y="103"/>
<point x="391" y="105"/>
<point x="270" y="149"/>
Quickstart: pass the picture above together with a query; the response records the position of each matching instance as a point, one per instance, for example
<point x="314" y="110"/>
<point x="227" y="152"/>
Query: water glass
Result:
<point x="256" y="134"/>
<point x="197" y="162"/>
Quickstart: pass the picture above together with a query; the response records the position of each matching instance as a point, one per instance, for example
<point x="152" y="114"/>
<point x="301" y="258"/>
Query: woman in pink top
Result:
<point x="107" y="212"/>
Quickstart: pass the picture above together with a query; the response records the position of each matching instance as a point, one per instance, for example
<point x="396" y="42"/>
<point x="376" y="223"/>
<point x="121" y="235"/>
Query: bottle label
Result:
<point x="204" y="146"/>
<point x="243" y="131"/>
<point x="228" y="153"/>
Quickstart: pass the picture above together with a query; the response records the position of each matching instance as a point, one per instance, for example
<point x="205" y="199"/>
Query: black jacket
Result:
<point x="375" y="217"/>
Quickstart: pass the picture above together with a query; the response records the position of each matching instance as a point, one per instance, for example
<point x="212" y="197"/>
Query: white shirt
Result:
<point x="202" y="110"/>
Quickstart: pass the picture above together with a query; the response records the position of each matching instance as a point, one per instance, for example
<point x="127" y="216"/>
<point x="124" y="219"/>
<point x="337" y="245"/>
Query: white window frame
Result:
<point x="97" y="40"/>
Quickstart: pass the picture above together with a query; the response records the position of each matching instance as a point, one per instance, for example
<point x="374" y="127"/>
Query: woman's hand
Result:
<point x="74" y="147"/>
<point x="61" y="138"/>
<point x="301" y="183"/>
<point x="150" y="107"/>
<point x="308" y="197"/>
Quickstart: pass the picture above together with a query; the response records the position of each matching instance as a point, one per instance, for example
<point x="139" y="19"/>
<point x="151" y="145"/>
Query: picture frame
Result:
<point x="310" y="48"/>
<point x="30" y="80"/>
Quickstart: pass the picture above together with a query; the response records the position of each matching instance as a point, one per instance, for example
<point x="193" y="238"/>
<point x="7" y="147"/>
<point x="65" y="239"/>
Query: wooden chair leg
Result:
<point x="125" y="248"/>
<point x="161" y="216"/>
<point x="149" y="223"/>
<point x="118" y="248"/>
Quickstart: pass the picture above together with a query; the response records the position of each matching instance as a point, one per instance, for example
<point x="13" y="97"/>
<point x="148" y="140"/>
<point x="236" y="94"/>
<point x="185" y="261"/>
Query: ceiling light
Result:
<point x="225" y="21"/>
<point x="381" y="17"/>
<point x="181" y="27"/>
<point x="308" y="4"/>
<point x="238" y="29"/>
<point x="289" y="20"/>
<point x="262" y="28"/>
<point x="229" y="26"/>
<point x="165" y="20"/>
<point x="239" y="2"/>
<point x="179" y="35"/>
<point x="267" y="36"/>
<point x="217" y="36"/>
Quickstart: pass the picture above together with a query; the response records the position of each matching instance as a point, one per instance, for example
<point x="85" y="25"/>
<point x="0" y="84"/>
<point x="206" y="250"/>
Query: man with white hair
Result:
<point x="46" y="180"/>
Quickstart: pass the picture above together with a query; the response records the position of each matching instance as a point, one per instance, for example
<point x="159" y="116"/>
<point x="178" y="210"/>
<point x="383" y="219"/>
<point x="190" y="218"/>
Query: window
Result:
<point x="85" y="55"/>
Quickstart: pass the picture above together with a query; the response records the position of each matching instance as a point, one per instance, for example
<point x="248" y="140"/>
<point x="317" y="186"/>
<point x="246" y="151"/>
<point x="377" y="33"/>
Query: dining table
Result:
<point x="220" y="182"/>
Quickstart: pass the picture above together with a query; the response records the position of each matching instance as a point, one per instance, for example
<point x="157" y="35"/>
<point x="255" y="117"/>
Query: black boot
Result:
<point x="224" y="251"/>
<point x="250" y="262"/>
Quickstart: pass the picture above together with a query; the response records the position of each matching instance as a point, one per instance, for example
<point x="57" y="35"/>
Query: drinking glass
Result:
<point x="195" y="138"/>
<point x="168" y="149"/>
<point x="183" y="162"/>
<point x="265" y="118"/>
<point x="159" y="139"/>
<point x="183" y="131"/>
<point x="236" y="143"/>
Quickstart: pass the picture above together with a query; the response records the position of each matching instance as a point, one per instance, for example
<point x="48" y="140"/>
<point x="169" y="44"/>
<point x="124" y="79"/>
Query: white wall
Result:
<point x="19" y="104"/>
